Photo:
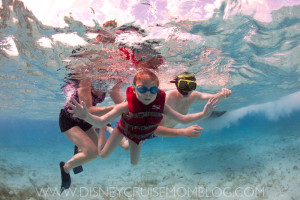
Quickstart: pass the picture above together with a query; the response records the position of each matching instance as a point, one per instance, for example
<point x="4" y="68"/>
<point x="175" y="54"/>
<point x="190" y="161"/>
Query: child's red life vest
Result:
<point x="142" y="120"/>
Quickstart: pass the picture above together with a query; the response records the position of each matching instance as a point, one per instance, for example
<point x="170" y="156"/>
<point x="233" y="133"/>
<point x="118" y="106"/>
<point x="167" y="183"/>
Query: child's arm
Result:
<point x="84" y="93"/>
<point x="200" y="96"/>
<point x="193" y="131"/>
<point x="80" y="110"/>
<point x="185" y="119"/>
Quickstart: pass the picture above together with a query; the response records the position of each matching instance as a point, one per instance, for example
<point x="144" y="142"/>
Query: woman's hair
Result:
<point x="110" y="23"/>
<point x="145" y="74"/>
<point x="148" y="57"/>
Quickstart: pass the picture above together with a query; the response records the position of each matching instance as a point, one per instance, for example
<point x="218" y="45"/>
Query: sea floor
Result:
<point x="231" y="164"/>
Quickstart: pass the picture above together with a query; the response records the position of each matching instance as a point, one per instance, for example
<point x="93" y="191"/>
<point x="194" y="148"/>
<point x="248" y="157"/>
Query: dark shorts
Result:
<point x="66" y="122"/>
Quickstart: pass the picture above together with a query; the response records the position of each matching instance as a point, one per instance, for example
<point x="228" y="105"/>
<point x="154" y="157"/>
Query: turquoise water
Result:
<point x="251" y="152"/>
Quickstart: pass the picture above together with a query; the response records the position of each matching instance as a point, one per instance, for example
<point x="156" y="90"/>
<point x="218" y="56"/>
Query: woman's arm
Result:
<point x="85" y="95"/>
<point x="100" y="110"/>
<point x="185" y="119"/>
<point x="85" y="92"/>
<point x="115" y="93"/>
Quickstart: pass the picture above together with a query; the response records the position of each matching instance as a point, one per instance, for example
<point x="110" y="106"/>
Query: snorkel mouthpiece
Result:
<point x="184" y="93"/>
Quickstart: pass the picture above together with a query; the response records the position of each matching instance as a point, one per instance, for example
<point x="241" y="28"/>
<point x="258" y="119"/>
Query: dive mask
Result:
<point x="186" y="84"/>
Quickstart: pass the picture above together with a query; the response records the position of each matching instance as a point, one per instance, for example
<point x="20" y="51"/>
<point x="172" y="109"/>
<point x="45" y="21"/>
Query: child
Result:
<point x="140" y="115"/>
<point x="181" y="99"/>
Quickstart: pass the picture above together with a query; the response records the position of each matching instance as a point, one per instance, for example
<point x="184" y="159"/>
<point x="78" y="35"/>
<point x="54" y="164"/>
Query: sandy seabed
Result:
<point x="217" y="167"/>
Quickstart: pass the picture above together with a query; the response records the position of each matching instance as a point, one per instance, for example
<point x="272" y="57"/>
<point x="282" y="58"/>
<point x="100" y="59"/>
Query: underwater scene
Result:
<point x="249" y="147"/>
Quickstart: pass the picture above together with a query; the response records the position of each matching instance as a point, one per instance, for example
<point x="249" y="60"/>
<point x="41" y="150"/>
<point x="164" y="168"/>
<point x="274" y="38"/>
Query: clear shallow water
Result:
<point x="255" y="144"/>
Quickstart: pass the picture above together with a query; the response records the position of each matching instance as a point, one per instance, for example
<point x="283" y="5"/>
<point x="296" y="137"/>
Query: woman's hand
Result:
<point x="78" y="109"/>
<point x="210" y="106"/>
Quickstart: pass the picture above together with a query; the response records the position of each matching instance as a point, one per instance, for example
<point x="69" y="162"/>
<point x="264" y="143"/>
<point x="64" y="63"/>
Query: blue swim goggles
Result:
<point x="143" y="89"/>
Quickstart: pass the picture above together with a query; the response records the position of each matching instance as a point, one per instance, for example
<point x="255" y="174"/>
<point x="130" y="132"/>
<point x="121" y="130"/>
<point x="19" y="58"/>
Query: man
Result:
<point x="181" y="100"/>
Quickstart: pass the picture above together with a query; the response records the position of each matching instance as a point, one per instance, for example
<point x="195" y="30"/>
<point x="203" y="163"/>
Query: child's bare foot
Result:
<point x="124" y="144"/>
<point x="109" y="128"/>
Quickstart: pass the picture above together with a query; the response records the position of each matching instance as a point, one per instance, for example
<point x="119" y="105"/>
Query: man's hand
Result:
<point x="193" y="131"/>
<point x="79" y="110"/>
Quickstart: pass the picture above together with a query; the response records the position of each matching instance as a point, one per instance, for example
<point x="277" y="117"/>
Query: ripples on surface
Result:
<point x="258" y="61"/>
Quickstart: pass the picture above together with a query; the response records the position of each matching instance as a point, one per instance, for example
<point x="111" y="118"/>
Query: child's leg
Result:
<point x="124" y="143"/>
<point x="101" y="139"/>
<point x="135" y="150"/>
<point x="105" y="148"/>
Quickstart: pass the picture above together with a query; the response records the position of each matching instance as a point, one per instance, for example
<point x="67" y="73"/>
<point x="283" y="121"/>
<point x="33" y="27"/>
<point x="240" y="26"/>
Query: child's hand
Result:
<point x="210" y="106"/>
<point x="223" y="94"/>
<point x="193" y="131"/>
<point x="79" y="110"/>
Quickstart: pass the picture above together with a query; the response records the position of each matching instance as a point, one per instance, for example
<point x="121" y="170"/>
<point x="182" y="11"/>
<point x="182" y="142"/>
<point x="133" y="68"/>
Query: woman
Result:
<point x="81" y="133"/>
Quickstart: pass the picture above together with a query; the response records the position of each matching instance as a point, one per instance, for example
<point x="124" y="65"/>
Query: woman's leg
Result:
<point x="107" y="147"/>
<point x="135" y="150"/>
<point x="86" y="142"/>
<point x="93" y="135"/>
